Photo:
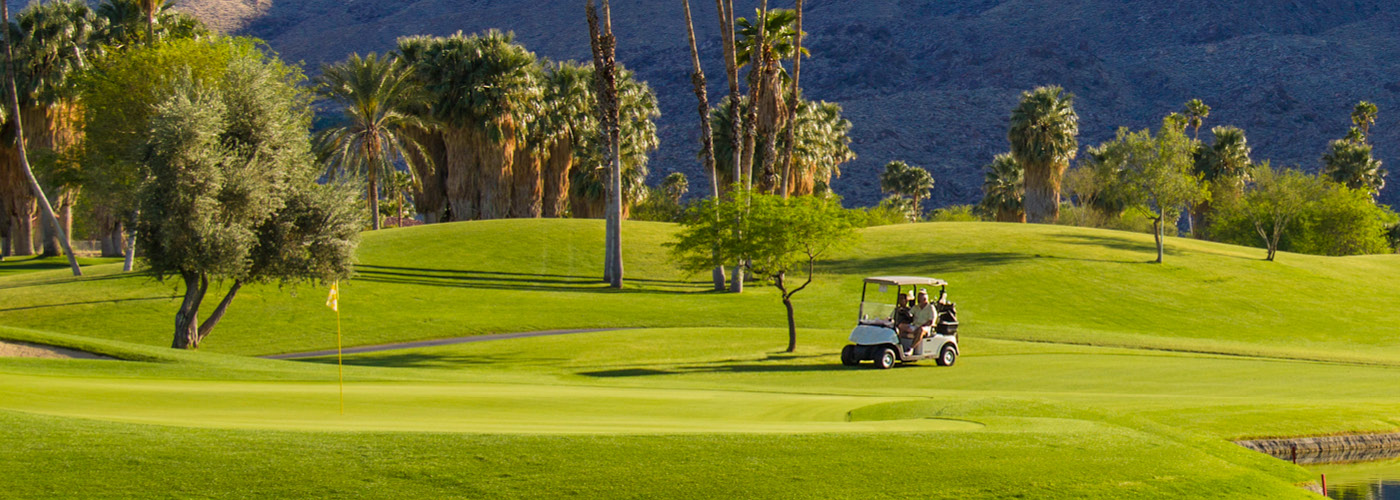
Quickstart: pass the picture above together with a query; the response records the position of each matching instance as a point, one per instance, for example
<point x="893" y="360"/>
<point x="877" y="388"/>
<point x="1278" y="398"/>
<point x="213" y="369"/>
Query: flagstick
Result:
<point x="339" y="361"/>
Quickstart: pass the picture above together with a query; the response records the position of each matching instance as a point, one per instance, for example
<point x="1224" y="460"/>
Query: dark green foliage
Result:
<point x="908" y="181"/>
<point x="1295" y="212"/>
<point x="1003" y="189"/>
<point x="822" y="138"/>
<point x="475" y="81"/>
<point x="1350" y="163"/>
<point x="126" y="23"/>
<point x="231" y="195"/>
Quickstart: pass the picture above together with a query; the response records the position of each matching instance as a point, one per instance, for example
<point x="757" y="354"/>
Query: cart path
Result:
<point x="436" y="342"/>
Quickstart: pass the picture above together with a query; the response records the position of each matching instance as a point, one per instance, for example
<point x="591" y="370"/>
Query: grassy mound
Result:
<point x="1011" y="281"/>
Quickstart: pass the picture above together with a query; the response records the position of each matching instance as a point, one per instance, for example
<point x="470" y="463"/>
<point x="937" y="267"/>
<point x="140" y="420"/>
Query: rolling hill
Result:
<point x="933" y="81"/>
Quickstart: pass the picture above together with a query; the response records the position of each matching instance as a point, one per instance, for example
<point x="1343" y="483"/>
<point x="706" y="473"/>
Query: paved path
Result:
<point x="435" y="342"/>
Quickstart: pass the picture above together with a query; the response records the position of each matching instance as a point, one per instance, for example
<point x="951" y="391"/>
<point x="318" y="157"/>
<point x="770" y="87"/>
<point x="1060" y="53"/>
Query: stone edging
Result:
<point x="1329" y="449"/>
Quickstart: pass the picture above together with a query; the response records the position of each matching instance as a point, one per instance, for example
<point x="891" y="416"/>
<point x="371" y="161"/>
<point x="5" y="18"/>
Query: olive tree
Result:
<point x="780" y="237"/>
<point x="231" y="194"/>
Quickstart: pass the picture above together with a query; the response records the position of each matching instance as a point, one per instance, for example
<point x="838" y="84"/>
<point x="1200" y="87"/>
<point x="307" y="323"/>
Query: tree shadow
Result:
<point x="500" y="280"/>
<point x="923" y="263"/>
<point x="425" y="360"/>
<point x="1114" y="243"/>
<point x="84" y="303"/>
<point x="774" y="363"/>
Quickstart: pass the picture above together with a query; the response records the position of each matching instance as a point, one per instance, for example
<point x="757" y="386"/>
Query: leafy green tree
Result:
<point x="232" y="194"/>
<point x="1273" y="199"/>
<point x="1158" y="176"/>
<point x="1363" y="115"/>
<point x="780" y="237"/>
<point x="1003" y="187"/>
<point x="1196" y="114"/>
<point x="1342" y="221"/>
<point x="374" y="135"/>
<point x="1350" y="164"/>
<point x="1043" y="135"/>
<point x="1225" y="168"/>
<point x="907" y="181"/>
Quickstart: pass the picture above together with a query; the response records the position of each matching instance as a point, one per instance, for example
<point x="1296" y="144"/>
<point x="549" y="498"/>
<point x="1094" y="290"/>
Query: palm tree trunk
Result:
<point x="462" y="187"/>
<point x="605" y="67"/>
<point x="527" y="189"/>
<point x="556" y="178"/>
<point x="792" y="107"/>
<point x="1042" y="197"/>
<point x="130" y="259"/>
<point x="48" y="213"/>
<point x="497" y="161"/>
<point x="707" y="139"/>
<point x="430" y="194"/>
<point x="373" y="197"/>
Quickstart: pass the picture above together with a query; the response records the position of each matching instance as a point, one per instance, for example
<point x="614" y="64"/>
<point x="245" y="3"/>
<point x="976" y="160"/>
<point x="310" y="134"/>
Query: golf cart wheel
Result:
<point x="886" y="359"/>
<point x="848" y="356"/>
<point x="948" y="356"/>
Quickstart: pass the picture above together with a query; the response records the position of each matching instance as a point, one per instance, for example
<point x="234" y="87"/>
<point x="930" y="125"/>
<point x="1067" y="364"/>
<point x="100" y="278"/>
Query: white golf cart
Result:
<point x="874" y="337"/>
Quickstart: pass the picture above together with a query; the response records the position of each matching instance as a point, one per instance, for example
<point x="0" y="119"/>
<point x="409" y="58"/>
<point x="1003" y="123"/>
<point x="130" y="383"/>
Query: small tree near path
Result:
<point x="780" y="237"/>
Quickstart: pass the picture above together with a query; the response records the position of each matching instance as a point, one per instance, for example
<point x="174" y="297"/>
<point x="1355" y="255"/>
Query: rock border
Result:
<point x="1329" y="449"/>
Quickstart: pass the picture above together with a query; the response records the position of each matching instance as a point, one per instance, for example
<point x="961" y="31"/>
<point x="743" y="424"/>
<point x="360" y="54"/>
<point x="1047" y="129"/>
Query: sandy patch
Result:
<point x="12" y="349"/>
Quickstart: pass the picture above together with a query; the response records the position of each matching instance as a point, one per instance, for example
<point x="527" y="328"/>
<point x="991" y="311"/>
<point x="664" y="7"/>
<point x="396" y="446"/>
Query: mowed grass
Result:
<point x="679" y="413"/>
<point x="1010" y="281"/>
<point x="1087" y="372"/>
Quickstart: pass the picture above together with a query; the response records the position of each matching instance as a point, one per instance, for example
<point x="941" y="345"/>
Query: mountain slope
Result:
<point x="932" y="81"/>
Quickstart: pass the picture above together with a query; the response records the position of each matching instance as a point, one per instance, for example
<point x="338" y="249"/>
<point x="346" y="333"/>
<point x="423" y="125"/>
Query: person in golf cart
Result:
<point x="924" y="314"/>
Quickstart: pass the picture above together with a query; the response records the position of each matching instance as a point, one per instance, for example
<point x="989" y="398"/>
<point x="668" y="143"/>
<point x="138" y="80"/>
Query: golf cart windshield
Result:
<point x="877" y="302"/>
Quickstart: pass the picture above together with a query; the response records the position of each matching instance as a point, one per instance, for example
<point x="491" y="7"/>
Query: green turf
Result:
<point x="1087" y="373"/>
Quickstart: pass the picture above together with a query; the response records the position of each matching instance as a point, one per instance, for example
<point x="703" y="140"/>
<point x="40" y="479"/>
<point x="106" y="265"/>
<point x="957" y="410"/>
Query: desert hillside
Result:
<point x="932" y="81"/>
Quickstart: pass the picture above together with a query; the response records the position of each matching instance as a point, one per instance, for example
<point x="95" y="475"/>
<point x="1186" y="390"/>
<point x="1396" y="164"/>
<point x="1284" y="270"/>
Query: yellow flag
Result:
<point x="333" y="300"/>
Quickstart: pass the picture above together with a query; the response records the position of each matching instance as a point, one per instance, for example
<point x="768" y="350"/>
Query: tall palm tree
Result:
<point x="1351" y="164"/>
<point x="1364" y="115"/>
<point x="483" y="90"/>
<point x="1225" y="167"/>
<point x="707" y="146"/>
<point x="794" y="95"/>
<point x="821" y="144"/>
<point x="1043" y="136"/>
<point x="908" y="181"/>
<point x="376" y="92"/>
<point x="17" y="125"/>
<point x="637" y="138"/>
<point x="763" y="43"/>
<point x="736" y="146"/>
<point x="1196" y="113"/>
<point x="604" y="48"/>
<point x="1003" y="187"/>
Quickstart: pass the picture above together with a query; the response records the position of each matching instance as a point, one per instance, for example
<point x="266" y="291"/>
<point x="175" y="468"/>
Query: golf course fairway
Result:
<point x="1086" y="372"/>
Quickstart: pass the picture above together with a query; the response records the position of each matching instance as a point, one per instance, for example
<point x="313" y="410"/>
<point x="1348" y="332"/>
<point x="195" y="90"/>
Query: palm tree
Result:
<point x="1225" y="167"/>
<point x="376" y="92"/>
<point x="483" y="91"/>
<point x="1043" y="139"/>
<point x="638" y="111"/>
<point x="908" y="181"/>
<point x="793" y="96"/>
<point x="400" y="188"/>
<point x="1351" y="164"/>
<point x="571" y="119"/>
<point x="675" y="186"/>
<point x="1003" y="187"/>
<point x="1196" y="113"/>
<point x="762" y="46"/>
<point x="1364" y="115"/>
<point x="16" y="119"/>
<point x="820" y="145"/>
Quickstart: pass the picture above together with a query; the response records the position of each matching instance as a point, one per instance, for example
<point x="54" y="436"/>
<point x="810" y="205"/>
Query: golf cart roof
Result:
<point x="905" y="280"/>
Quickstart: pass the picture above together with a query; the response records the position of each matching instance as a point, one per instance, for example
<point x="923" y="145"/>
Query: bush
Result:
<point x="955" y="213"/>
<point x="892" y="210"/>
<point x="657" y="207"/>
<point x="1342" y="221"/>
<point x="1129" y="220"/>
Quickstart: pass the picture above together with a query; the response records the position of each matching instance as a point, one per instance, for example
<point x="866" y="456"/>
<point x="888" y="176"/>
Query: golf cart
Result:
<point x="874" y="337"/>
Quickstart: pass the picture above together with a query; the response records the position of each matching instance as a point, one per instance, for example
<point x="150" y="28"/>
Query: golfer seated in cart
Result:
<point x="922" y="315"/>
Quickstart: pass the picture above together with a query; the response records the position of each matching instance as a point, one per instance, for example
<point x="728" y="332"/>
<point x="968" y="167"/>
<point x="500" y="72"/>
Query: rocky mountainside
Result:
<point x="932" y="82"/>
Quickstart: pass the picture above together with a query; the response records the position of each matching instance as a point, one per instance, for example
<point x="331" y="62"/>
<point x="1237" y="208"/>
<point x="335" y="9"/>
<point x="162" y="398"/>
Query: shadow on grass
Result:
<point x="1114" y="243"/>
<point x="420" y="360"/>
<point x="84" y="303"/>
<point x="775" y="363"/>
<point x="500" y="280"/>
<point x="922" y="263"/>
